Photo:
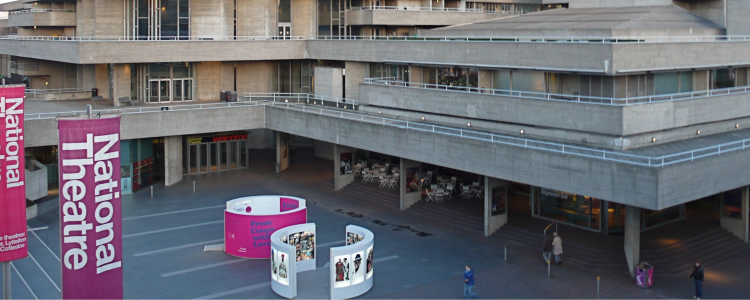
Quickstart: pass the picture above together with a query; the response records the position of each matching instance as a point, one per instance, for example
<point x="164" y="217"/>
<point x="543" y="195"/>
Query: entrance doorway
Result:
<point x="160" y="91"/>
<point x="615" y="218"/>
<point x="216" y="154"/>
<point x="170" y="90"/>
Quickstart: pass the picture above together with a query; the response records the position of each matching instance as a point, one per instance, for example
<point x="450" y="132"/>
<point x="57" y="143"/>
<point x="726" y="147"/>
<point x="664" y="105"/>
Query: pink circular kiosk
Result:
<point x="250" y="221"/>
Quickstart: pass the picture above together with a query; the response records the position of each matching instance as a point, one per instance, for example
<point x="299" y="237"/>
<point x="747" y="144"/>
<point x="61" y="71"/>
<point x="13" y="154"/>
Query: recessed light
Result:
<point x="287" y="101"/>
<point x="737" y="125"/>
<point x="521" y="131"/>
<point x="379" y="112"/>
<point x="468" y="124"/>
<point x="422" y="118"/>
<point x="653" y="140"/>
<point x="698" y="132"/>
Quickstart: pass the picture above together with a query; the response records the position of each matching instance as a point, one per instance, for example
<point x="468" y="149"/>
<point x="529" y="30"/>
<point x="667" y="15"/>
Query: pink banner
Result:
<point x="287" y="204"/>
<point x="90" y="208"/>
<point x="13" y="242"/>
<point x="250" y="236"/>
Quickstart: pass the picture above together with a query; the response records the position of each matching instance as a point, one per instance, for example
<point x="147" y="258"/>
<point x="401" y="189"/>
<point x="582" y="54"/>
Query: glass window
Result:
<point x="324" y="17"/>
<point x="732" y="206"/>
<point x="187" y="89"/>
<point x="243" y="153"/>
<point x="193" y="159"/>
<point x="203" y="157"/>
<point x="284" y="12"/>
<point x="723" y="78"/>
<point x="653" y="218"/>
<point x="233" y="155"/>
<point x="666" y="83"/>
<point x="686" y="82"/>
<point x="530" y="81"/>
<point x="429" y="75"/>
<point x="582" y="211"/>
<point x="501" y="80"/>
<point x="158" y="70"/>
<point x="180" y="71"/>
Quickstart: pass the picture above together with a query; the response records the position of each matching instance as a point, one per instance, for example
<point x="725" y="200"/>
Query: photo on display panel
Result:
<point x="353" y="238"/>
<point x="412" y="180"/>
<point x="274" y="268"/>
<point x="358" y="267"/>
<point x="346" y="163"/>
<point x="498" y="201"/>
<point x="283" y="266"/>
<point x="369" y="262"/>
<point x="304" y="242"/>
<point x="342" y="266"/>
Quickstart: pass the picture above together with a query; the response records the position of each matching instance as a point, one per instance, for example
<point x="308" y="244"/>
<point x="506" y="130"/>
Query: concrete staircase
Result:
<point x="711" y="248"/>
<point x="370" y="192"/>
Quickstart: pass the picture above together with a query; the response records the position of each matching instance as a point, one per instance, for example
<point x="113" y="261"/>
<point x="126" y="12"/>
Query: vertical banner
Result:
<point x="13" y="242"/>
<point x="90" y="208"/>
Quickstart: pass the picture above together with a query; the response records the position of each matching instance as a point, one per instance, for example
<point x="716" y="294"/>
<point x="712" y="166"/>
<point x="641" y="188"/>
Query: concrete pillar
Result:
<point x="101" y="80"/>
<point x="632" y="237"/>
<point x="340" y="180"/>
<point x="329" y="81"/>
<point x="255" y="76"/>
<point x="282" y="151"/>
<point x="485" y="80"/>
<point x="738" y="227"/>
<point x="495" y="189"/>
<point x="355" y="74"/>
<point x="304" y="22"/>
<point x="410" y="194"/>
<point x="415" y="75"/>
<point x="120" y="81"/>
<point x="172" y="160"/>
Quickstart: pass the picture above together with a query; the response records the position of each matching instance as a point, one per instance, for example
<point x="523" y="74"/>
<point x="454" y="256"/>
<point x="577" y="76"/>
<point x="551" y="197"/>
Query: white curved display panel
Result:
<point x="352" y="265"/>
<point x="293" y="250"/>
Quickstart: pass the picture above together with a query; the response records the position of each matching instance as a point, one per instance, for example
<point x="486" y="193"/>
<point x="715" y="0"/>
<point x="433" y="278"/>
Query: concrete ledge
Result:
<point x="398" y="17"/>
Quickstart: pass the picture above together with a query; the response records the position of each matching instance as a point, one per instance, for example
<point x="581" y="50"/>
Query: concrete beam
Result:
<point x="414" y="17"/>
<point x="410" y="192"/>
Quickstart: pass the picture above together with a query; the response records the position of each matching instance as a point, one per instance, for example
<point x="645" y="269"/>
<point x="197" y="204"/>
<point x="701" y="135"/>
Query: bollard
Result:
<point x="193" y="186"/>
<point x="549" y="269"/>
<point x="152" y="191"/>
<point x="597" y="285"/>
<point x="506" y="253"/>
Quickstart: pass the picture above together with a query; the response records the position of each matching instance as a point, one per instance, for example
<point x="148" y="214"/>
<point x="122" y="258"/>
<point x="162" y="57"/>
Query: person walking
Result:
<point x="547" y="249"/>
<point x="697" y="276"/>
<point x="557" y="248"/>
<point x="469" y="283"/>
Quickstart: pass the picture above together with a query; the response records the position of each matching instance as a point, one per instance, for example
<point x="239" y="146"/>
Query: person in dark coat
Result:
<point x="547" y="249"/>
<point x="469" y="283"/>
<point x="697" y="276"/>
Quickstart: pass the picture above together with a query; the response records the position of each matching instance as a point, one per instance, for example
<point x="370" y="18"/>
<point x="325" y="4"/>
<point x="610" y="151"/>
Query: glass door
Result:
<point x="193" y="160"/>
<point x="615" y="218"/>
<point x="233" y="154"/>
<point x="212" y="155"/>
<point x="223" y="157"/>
<point x="203" y="157"/>
<point x="285" y="31"/>
<point x="159" y="91"/>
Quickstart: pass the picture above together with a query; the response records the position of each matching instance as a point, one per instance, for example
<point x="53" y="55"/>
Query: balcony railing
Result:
<point x="310" y="99"/>
<point x="412" y="8"/>
<point x="563" y="97"/>
<point x="605" y="155"/>
<point x="27" y="11"/>
<point x="457" y="39"/>
<point x="18" y="67"/>
<point x="37" y="92"/>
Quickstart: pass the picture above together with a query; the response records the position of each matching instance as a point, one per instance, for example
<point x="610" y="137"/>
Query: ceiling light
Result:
<point x="653" y="140"/>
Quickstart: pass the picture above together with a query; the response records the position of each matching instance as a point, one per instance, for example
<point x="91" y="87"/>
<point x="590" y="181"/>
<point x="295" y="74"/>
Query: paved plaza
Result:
<point x="415" y="256"/>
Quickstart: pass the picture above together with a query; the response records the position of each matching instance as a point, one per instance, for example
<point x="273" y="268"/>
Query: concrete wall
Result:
<point x="710" y="9"/>
<point x="256" y="17"/>
<point x="211" y="18"/>
<point x="409" y="199"/>
<point x="208" y="80"/>
<point x="101" y="80"/>
<point x="355" y="74"/>
<point x="738" y="227"/>
<point x="329" y="81"/>
<point x="632" y="237"/>
<point x="737" y="21"/>
<point x="324" y="150"/>
<point x="172" y="160"/>
<point x="260" y="139"/>
<point x="341" y="180"/>
<point x="255" y="76"/>
<point x="493" y="223"/>
<point x="36" y="180"/>
<point x="122" y="82"/>
<point x="100" y="17"/>
<point x="43" y="19"/>
<point x="615" y="3"/>
<point x="304" y="13"/>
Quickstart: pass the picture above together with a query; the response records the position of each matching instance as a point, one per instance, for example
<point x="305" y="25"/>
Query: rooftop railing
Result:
<point x="564" y="97"/>
<point x="526" y="143"/>
<point x="417" y="8"/>
<point x="27" y="11"/>
<point x="493" y="39"/>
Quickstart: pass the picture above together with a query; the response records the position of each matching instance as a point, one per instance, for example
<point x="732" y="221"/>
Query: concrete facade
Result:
<point x="212" y="19"/>
<point x="410" y="198"/>
<point x="632" y="237"/>
<point x="304" y="13"/>
<point x="493" y="223"/>
<point x="329" y="82"/>
<point x="172" y="160"/>
<point x="255" y="76"/>
<point x="256" y="18"/>
<point x="414" y="17"/>
<point x="355" y="74"/>
<point x="323" y="150"/>
<point x="60" y="19"/>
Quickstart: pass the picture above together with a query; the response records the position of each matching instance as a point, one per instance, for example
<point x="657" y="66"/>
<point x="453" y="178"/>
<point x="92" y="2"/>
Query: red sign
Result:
<point x="13" y="242"/>
<point x="90" y="208"/>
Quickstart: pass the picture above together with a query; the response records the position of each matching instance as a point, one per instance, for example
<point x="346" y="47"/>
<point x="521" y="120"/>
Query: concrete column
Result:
<point x="328" y="81"/>
<point x="355" y="74"/>
<point x="172" y="160"/>
<point x="738" y="227"/>
<point x="255" y="76"/>
<point x="485" y="80"/>
<point x="282" y="151"/>
<point x="304" y="22"/>
<point x="493" y="223"/>
<point x="341" y="180"/>
<point x="120" y="81"/>
<point x="415" y="75"/>
<point x="632" y="237"/>
<point x="101" y="80"/>
<point x="409" y="194"/>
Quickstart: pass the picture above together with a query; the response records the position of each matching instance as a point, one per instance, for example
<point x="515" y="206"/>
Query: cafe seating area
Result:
<point x="443" y="188"/>
<point x="383" y="174"/>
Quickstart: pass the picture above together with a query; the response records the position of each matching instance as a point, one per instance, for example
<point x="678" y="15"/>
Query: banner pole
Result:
<point x="6" y="280"/>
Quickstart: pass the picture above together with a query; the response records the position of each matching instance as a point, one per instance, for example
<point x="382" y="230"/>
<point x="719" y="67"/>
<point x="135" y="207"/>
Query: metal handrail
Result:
<point x="550" y="225"/>
<point x="37" y="10"/>
<point x="564" y="97"/>
<point x="612" y="156"/>
<point x="36" y="92"/>
<point x="301" y="98"/>
<point x="498" y="39"/>
<point x="413" y="8"/>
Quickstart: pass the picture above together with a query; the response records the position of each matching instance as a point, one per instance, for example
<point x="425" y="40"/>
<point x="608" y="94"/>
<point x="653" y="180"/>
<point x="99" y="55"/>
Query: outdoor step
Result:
<point x="703" y="239"/>
<point x="447" y="212"/>
<point x="567" y="246"/>
<point x="366" y="194"/>
<point x="714" y="260"/>
<point x="698" y="248"/>
<point x="716" y="249"/>
<point x="479" y="227"/>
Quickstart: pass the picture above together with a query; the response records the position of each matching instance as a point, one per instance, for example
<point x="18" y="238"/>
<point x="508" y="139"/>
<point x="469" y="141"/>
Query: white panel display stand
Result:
<point x="284" y="280"/>
<point x="352" y="265"/>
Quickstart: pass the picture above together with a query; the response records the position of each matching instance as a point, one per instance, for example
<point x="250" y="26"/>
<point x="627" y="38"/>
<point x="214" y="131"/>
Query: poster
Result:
<point x="412" y="180"/>
<point x="249" y="236"/>
<point x="90" y="208"/>
<point x="274" y="268"/>
<point x="369" y="262"/>
<point x="358" y="267"/>
<point x="498" y="201"/>
<point x="13" y="236"/>
<point x="282" y="266"/>
<point x="304" y="242"/>
<point x="346" y="163"/>
<point x="353" y="238"/>
<point x="342" y="264"/>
